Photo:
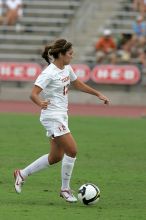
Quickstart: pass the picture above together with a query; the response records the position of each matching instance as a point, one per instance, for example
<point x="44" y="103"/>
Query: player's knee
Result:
<point x="72" y="152"/>
<point x="52" y="160"/>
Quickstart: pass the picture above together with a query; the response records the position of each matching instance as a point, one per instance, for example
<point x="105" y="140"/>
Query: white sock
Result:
<point x="66" y="172"/>
<point x="37" y="165"/>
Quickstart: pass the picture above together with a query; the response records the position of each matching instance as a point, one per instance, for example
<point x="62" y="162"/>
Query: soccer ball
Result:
<point x="88" y="194"/>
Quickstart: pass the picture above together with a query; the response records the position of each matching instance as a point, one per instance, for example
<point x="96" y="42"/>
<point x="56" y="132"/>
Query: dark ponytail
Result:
<point x="45" y="54"/>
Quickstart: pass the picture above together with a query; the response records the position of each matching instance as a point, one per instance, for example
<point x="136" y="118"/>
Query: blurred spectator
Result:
<point x="13" y="11"/>
<point x="124" y="46"/>
<point x="138" y="44"/>
<point x="1" y="11"/>
<point x="140" y="6"/>
<point x="105" y="48"/>
<point x="139" y="27"/>
<point x="142" y="58"/>
<point x="130" y="49"/>
<point x="122" y="39"/>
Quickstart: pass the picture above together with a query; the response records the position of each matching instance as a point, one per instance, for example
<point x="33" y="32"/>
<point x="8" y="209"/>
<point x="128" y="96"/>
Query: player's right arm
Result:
<point x="78" y="84"/>
<point x="36" y="98"/>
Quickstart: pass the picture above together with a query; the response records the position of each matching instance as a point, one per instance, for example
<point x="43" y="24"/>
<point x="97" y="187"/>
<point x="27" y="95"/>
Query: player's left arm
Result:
<point x="79" y="85"/>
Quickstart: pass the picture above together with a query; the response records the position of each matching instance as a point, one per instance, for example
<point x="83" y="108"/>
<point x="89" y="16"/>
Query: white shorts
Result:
<point x="55" y="126"/>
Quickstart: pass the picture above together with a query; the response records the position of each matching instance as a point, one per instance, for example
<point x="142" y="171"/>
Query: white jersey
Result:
<point x="55" y="83"/>
<point x="13" y="4"/>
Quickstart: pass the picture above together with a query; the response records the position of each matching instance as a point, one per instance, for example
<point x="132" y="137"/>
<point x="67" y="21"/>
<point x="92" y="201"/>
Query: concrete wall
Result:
<point x="133" y="97"/>
<point x="117" y="98"/>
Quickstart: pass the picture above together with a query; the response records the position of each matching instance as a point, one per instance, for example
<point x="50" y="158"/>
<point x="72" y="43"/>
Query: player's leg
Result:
<point x="44" y="161"/>
<point x="56" y="153"/>
<point x="21" y="175"/>
<point x="68" y="144"/>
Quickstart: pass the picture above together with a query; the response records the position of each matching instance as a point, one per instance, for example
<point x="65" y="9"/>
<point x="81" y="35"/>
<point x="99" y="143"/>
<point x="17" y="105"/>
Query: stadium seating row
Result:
<point x="42" y="21"/>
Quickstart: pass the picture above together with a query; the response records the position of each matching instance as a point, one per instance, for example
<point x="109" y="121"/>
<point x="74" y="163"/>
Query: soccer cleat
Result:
<point x="68" y="196"/>
<point x="19" y="181"/>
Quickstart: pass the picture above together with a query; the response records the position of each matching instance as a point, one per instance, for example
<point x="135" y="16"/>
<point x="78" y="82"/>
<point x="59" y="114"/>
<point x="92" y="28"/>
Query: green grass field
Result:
<point x="111" y="154"/>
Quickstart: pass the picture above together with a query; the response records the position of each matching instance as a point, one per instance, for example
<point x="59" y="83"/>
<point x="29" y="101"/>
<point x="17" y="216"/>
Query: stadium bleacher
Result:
<point x="119" y="21"/>
<point x="42" y="22"/>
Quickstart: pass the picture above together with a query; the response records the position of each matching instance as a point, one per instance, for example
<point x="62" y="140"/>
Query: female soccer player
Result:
<point x="54" y="82"/>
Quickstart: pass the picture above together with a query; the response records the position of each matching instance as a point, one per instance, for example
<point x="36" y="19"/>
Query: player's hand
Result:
<point x="44" y="104"/>
<point x="104" y="99"/>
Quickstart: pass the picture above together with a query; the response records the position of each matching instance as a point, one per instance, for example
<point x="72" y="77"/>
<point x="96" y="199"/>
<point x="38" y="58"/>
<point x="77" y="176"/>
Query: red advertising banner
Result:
<point x="19" y="71"/>
<point x="105" y="74"/>
<point x="114" y="74"/>
<point x="82" y="71"/>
